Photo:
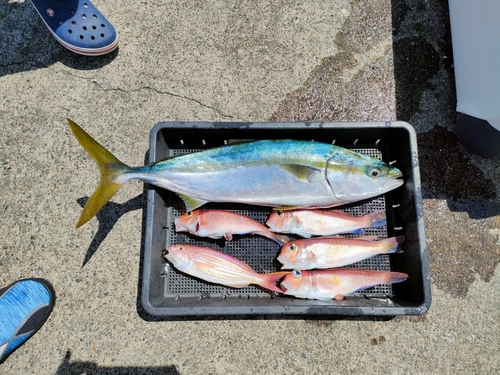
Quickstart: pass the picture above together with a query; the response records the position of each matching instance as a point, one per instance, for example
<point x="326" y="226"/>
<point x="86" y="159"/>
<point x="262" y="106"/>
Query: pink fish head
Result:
<point x="294" y="255"/>
<point x="279" y="220"/>
<point x="296" y="283"/>
<point x="180" y="256"/>
<point x="188" y="222"/>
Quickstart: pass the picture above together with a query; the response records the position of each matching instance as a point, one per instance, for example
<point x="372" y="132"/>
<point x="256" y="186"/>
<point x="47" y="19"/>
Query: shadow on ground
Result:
<point x="81" y="368"/>
<point x="421" y="47"/>
<point x="447" y="173"/>
<point x="107" y="218"/>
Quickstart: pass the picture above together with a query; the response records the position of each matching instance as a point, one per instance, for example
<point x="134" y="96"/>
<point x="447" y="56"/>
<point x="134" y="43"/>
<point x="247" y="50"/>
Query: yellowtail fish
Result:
<point x="307" y="223"/>
<point x="220" y="223"/>
<point x="219" y="268"/>
<point x="273" y="173"/>
<point x="331" y="252"/>
<point x="337" y="283"/>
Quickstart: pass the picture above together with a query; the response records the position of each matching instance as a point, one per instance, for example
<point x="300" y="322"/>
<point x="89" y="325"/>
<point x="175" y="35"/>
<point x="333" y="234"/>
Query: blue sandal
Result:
<point x="24" y="308"/>
<point x="78" y="26"/>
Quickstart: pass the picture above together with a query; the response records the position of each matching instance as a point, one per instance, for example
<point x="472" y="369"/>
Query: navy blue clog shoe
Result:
<point x="78" y="26"/>
<point x="24" y="308"/>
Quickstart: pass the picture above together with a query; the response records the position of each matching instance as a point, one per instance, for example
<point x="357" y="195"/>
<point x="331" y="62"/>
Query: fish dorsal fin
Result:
<point x="191" y="203"/>
<point x="302" y="172"/>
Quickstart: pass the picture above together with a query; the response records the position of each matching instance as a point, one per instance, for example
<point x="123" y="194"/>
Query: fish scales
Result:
<point x="275" y="173"/>
<point x="335" y="283"/>
<point x="248" y="173"/>
<point x="221" y="223"/>
<point x="331" y="252"/>
<point x="307" y="222"/>
<point x="220" y="268"/>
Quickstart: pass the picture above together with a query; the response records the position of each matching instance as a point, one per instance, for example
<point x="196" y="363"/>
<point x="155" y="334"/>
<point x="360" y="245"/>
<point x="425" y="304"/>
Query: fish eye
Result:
<point x="296" y="273"/>
<point x="181" y="248"/>
<point x="374" y="172"/>
<point x="292" y="247"/>
<point x="190" y="213"/>
<point x="279" y="213"/>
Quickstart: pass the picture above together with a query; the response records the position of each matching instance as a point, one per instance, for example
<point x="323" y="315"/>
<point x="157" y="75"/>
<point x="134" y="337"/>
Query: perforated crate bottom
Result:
<point x="258" y="252"/>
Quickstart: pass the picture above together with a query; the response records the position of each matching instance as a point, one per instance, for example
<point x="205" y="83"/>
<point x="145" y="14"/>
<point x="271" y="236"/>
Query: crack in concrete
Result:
<point x="166" y="93"/>
<point x="190" y="99"/>
<point x="158" y="92"/>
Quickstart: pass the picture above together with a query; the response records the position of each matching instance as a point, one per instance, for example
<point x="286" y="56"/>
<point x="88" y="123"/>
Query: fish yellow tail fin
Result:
<point x="110" y="169"/>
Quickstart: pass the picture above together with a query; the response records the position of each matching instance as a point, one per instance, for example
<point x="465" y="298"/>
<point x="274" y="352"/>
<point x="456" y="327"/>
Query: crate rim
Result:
<point x="313" y="310"/>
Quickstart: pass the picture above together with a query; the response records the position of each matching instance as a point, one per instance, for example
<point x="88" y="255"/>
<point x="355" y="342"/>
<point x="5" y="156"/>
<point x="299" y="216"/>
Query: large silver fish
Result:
<point x="275" y="173"/>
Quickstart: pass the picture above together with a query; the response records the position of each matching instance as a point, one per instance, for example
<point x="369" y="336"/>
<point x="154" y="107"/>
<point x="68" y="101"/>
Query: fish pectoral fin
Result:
<point x="367" y="238"/>
<point x="287" y="208"/>
<point x="302" y="172"/>
<point x="192" y="203"/>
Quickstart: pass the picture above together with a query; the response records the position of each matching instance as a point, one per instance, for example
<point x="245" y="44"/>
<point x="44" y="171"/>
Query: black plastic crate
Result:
<point x="167" y="293"/>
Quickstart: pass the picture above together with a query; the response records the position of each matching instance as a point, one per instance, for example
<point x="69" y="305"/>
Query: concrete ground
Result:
<point x="339" y="60"/>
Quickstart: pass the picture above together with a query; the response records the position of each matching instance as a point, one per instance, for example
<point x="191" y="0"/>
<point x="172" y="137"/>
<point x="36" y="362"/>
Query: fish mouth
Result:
<point x="272" y="227"/>
<point x="285" y="265"/>
<point x="178" y="226"/>
<point x="392" y="184"/>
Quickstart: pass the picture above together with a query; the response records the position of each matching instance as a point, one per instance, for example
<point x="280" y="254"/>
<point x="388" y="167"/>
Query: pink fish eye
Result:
<point x="292" y="247"/>
<point x="279" y="213"/>
<point x="181" y="248"/>
<point x="296" y="273"/>
<point x="190" y="213"/>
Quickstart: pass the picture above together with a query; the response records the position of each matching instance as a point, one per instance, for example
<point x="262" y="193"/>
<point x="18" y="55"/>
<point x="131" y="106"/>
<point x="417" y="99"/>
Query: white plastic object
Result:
<point x="475" y="28"/>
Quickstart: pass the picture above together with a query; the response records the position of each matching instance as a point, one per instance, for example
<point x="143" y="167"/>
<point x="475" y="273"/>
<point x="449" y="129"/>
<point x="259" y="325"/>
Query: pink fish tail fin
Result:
<point x="278" y="237"/>
<point x="394" y="244"/>
<point x="377" y="218"/>
<point x="269" y="281"/>
<point x="396" y="277"/>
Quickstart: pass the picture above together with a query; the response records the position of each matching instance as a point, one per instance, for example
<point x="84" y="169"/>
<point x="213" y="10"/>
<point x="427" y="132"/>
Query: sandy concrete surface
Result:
<point x="340" y="60"/>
